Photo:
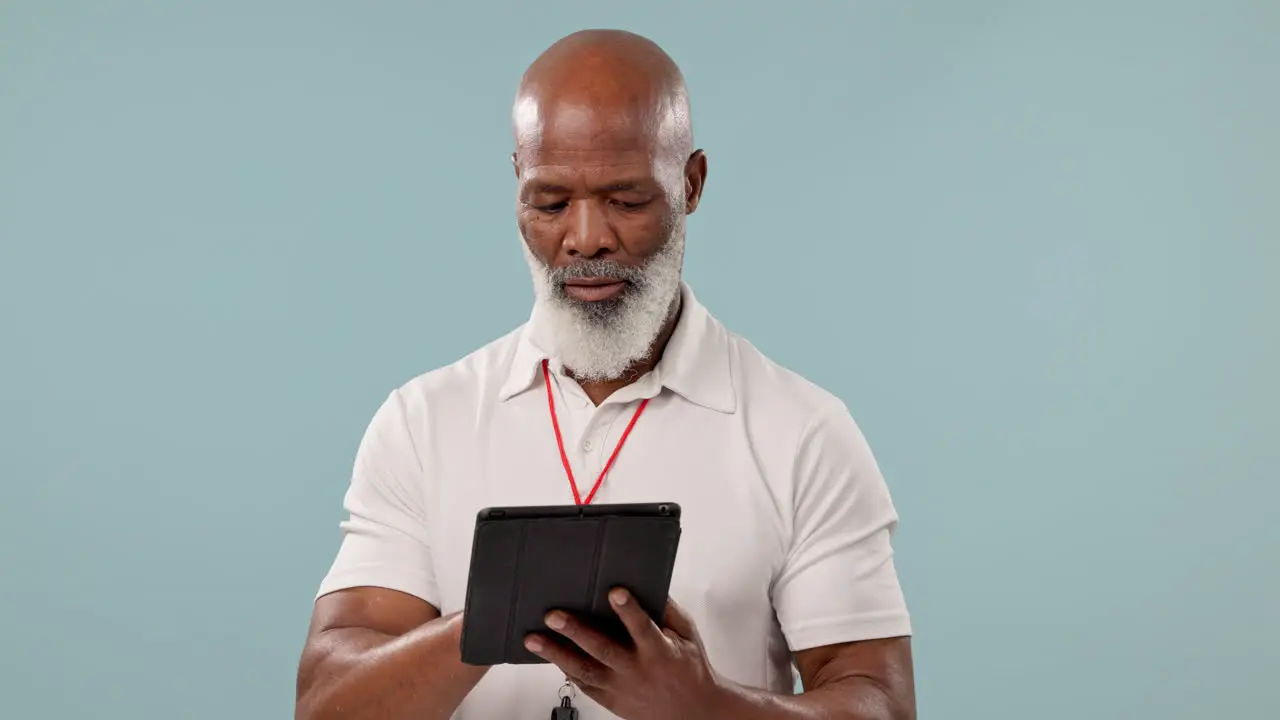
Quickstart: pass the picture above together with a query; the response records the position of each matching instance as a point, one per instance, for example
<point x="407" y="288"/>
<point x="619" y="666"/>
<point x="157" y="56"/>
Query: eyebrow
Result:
<point x="537" y="187"/>
<point x="534" y="188"/>
<point x="624" y="186"/>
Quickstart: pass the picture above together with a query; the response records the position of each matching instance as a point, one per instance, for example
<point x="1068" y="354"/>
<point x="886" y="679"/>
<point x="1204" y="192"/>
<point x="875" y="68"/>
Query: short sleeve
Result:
<point x="384" y="538"/>
<point x="838" y="582"/>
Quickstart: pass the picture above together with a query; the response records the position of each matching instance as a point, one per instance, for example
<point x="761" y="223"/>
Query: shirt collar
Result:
<point x="694" y="365"/>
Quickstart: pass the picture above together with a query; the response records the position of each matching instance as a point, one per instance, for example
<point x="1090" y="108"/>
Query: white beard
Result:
<point x="599" y="342"/>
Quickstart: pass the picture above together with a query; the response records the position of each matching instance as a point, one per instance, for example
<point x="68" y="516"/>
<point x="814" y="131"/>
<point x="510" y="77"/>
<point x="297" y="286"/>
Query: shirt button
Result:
<point x="587" y="446"/>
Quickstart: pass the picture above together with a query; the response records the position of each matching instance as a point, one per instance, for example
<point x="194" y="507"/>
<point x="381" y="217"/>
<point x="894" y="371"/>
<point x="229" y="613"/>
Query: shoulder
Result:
<point x="823" y="450"/>
<point x="774" y="392"/>
<point x="804" y="435"/>
<point x="809" y="427"/>
<point x="463" y="383"/>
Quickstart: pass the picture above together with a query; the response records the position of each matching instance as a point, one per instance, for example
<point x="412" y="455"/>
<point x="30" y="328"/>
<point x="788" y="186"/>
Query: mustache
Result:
<point x="598" y="268"/>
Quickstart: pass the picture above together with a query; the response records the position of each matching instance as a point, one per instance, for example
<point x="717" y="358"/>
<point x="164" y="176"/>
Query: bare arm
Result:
<point x="378" y="654"/>
<point x="868" y="680"/>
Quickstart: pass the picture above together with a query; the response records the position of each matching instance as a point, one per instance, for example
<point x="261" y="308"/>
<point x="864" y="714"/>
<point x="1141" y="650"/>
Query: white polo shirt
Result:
<point x="786" y="518"/>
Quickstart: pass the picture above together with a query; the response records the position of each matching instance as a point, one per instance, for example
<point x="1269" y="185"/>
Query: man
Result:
<point x="785" y="555"/>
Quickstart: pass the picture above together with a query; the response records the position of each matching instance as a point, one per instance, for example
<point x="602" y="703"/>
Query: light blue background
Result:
<point x="1034" y="246"/>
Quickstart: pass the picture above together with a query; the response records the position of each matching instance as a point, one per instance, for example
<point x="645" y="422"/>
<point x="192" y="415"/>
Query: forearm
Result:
<point x="852" y="698"/>
<point x="361" y="674"/>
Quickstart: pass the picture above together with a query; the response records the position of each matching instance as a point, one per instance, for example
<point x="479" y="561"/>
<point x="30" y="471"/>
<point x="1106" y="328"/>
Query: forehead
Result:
<point x="604" y="167"/>
<point x="579" y="137"/>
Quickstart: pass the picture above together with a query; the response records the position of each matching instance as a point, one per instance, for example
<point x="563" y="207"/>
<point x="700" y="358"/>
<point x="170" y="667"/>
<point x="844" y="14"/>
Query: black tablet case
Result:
<point x="528" y="561"/>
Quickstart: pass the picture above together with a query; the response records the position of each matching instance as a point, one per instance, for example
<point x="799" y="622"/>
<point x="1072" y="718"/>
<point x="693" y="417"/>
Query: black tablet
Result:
<point x="527" y="561"/>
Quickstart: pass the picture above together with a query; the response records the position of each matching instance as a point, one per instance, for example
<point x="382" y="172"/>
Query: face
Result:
<point x="601" y="208"/>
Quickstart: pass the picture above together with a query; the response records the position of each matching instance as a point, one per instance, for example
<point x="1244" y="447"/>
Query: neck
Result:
<point x="599" y="391"/>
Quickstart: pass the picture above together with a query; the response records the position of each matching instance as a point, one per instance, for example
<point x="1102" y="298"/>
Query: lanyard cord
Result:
<point x="564" y="457"/>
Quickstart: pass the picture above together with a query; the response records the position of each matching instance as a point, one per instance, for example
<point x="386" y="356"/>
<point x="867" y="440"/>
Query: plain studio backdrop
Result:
<point x="1035" y="247"/>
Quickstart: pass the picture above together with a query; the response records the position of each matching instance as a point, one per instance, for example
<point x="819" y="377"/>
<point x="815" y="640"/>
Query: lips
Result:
<point x="593" y="281"/>
<point x="594" y="289"/>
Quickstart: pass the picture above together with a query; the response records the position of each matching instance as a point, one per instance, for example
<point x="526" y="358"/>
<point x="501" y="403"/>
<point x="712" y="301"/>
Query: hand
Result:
<point x="665" y="675"/>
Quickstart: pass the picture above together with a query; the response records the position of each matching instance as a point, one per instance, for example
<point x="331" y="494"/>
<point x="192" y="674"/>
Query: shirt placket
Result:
<point x="591" y="432"/>
<point x="579" y="424"/>
<point x="601" y="438"/>
<point x="595" y="444"/>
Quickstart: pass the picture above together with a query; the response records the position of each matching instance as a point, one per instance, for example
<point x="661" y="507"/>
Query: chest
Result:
<point x="734" y="532"/>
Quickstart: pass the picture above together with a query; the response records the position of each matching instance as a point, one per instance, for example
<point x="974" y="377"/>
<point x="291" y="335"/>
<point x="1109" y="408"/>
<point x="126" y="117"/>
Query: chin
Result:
<point x="603" y="340"/>
<point x="596" y="310"/>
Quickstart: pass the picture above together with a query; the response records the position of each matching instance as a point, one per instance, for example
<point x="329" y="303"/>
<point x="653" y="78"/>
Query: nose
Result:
<point x="589" y="233"/>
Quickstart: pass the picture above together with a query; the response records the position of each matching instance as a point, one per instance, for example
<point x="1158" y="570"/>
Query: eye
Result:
<point x="631" y="205"/>
<point x="550" y="208"/>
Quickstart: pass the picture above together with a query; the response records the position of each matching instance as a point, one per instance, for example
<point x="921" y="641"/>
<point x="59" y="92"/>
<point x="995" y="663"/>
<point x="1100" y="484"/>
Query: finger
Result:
<point x="638" y="623"/>
<point x="594" y="643"/>
<point x="582" y="670"/>
<point x="678" y="620"/>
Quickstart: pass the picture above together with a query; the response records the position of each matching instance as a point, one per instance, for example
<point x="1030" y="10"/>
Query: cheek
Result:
<point x="646" y="234"/>
<point x="538" y="230"/>
<point x="542" y="239"/>
<point x="670" y="223"/>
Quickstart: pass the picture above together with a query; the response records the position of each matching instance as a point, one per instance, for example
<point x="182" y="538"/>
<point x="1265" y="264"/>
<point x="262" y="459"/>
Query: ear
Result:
<point x="695" y="178"/>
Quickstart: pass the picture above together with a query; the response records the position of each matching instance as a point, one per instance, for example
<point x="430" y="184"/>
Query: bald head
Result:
<point x="604" y="88"/>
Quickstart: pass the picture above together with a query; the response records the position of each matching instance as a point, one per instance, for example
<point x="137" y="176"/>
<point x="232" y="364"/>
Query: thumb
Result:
<point x="679" y="621"/>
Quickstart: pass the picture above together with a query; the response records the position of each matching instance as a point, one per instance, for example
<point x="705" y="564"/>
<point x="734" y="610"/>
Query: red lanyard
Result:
<point x="564" y="457"/>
